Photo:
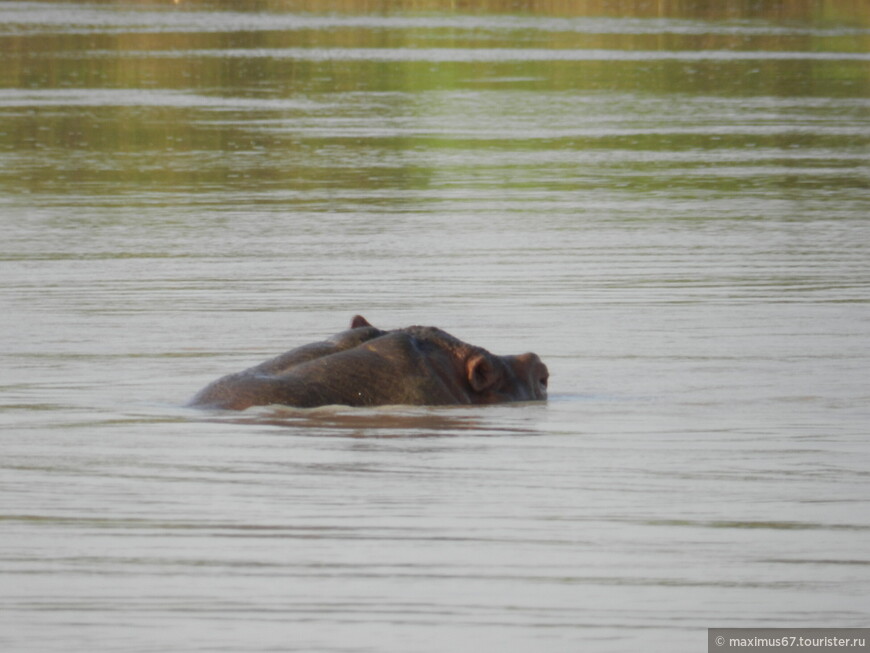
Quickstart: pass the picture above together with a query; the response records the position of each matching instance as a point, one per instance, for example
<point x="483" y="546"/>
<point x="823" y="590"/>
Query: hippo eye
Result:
<point x="544" y="380"/>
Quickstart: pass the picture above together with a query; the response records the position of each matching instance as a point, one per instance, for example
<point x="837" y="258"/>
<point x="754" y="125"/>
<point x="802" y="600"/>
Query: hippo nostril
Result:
<point x="543" y="381"/>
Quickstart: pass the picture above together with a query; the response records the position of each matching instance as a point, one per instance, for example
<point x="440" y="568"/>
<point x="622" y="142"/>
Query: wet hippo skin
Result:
<point x="365" y="366"/>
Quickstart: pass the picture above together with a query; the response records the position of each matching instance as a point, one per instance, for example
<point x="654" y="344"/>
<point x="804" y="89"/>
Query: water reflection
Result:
<point x="196" y="99"/>
<point x="384" y="423"/>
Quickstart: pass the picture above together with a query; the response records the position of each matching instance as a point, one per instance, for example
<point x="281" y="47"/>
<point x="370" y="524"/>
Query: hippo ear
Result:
<point x="482" y="375"/>
<point x="359" y="321"/>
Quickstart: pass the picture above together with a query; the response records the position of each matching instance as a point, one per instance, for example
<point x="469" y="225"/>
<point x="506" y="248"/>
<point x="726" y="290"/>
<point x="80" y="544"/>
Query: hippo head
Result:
<point x="475" y="375"/>
<point x="366" y="366"/>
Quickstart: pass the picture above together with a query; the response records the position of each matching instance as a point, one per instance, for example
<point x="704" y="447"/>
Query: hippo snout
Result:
<point x="537" y="374"/>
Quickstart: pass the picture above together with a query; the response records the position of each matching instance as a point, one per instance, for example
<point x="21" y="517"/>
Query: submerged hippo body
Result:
<point x="365" y="366"/>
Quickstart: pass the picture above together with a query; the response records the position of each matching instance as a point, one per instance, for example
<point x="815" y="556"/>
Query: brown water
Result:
<point x="670" y="207"/>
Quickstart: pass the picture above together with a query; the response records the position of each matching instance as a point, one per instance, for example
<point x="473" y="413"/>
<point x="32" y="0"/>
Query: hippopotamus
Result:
<point x="366" y="366"/>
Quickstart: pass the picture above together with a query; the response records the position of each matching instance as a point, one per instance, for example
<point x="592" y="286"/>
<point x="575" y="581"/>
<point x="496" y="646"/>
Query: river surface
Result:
<point x="670" y="206"/>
